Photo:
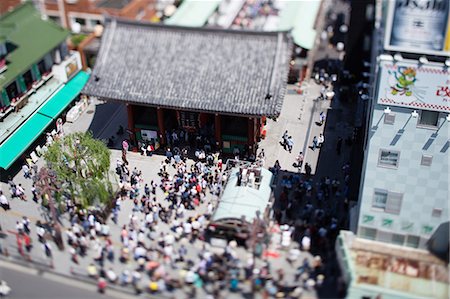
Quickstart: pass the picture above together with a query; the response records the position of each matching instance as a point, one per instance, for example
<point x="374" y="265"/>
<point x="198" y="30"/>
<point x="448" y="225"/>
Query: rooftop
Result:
<point x="247" y="190"/>
<point x="28" y="38"/>
<point x="200" y="69"/>
<point x="411" y="272"/>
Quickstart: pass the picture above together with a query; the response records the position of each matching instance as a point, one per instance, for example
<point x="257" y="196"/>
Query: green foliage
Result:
<point x="82" y="164"/>
<point x="77" y="39"/>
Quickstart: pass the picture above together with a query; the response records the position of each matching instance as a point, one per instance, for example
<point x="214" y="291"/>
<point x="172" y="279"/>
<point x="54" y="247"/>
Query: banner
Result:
<point x="408" y="85"/>
<point x="418" y="26"/>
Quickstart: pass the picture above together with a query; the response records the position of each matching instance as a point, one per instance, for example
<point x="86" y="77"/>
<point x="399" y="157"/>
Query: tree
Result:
<point x="82" y="164"/>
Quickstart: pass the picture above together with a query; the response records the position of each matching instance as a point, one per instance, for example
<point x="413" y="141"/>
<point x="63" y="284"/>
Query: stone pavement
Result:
<point x="101" y="118"/>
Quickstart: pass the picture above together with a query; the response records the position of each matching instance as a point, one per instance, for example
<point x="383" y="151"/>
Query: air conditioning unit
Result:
<point x="71" y="1"/>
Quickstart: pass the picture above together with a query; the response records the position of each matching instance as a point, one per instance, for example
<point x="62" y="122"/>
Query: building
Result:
<point x="8" y="5"/>
<point x="378" y="270"/>
<point x="89" y="13"/>
<point x="214" y="83"/>
<point x="404" y="195"/>
<point x="404" y="189"/>
<point x="39" y="79"/>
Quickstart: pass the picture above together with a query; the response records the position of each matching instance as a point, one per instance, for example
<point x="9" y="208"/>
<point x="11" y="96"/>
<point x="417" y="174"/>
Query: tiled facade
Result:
<point x="422" y="189"/>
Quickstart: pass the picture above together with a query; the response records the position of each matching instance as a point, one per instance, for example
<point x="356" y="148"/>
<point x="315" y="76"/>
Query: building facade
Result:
<point x="88" y="13"/>
<point x="404" y="191"/>
<point x="39" y="78"/>
<point x="215" y="85"/>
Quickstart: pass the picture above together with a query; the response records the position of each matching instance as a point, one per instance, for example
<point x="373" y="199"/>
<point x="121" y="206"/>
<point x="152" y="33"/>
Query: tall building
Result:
<point x="404" y="191"/>
<point x="401" y="219"/>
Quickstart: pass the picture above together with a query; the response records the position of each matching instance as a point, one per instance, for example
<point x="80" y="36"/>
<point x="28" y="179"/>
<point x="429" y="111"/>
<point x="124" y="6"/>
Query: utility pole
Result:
<point x="47" y="184"/>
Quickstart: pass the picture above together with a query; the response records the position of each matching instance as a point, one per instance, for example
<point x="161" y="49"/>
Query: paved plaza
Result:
<point x="300" y="116"/>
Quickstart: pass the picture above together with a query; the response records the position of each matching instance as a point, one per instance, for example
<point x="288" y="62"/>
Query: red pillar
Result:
<point x="130" y="117"/>
<point x="218" y="129"/>
<point x="160" y="113"/>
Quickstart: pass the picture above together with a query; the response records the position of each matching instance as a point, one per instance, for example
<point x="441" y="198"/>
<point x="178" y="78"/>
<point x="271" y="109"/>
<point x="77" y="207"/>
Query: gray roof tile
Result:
<point x="224" y="71"/>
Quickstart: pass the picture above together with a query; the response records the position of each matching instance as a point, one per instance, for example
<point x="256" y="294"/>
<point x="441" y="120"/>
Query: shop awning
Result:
<point x="238" y="201"/>
<point x="300" y="16"/>
<point x="193" y="13"/>
<point x="57" y="103"/>
<point x="22" y="138"/>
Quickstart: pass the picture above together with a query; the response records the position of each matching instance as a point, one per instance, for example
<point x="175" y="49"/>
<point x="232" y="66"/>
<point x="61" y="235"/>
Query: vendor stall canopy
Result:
<point x="200" y="69"/>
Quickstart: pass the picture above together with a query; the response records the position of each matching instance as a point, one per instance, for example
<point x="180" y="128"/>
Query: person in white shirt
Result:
<point x="4" y="201"/>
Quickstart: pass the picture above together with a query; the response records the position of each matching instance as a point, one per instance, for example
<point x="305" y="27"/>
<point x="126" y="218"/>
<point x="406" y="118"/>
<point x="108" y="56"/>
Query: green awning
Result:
<point x="193" y="13"/>
<point x="238" y="201"/>
<point x="22" y="138"/>
<point x="58" y="102"/>
<point x="300" y="16"/>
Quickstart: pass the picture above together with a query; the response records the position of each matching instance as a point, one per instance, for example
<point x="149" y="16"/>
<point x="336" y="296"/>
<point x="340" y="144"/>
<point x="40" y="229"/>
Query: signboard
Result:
<point x="418" y="26"/>
<point x="71" y="68"/>
<point x="148" y="135"/>
<point x="408" y="85"/>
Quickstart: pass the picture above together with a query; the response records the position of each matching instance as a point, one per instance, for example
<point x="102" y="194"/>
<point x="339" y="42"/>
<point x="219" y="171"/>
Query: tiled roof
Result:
<point x="192" y="68"/>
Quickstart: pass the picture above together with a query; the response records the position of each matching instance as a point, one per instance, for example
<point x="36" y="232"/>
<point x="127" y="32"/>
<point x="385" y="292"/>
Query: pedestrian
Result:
<point x="34" y="192"/>
<point x="101" y="285"/>
<point x="300" y="159"/>
<point x="290" y="143"/>
<point x="314" y="143"/>
<point x="320" y="140"/>
<point x="308" y="169"/>
<point x="4" y="202"/>
<point x="26" y="171"/>
<point x="321" y="118"/>
<point x="339" y="146"/>
<point x="47" y="249"/>
<point x="284" y="139"/>
<point x="26" y="224"/>
<point x="262" y="155"/>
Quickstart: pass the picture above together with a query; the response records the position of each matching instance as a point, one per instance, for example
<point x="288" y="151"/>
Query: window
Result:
<point x="394" y="203"/>
<point x="428" y="118"/>
<point x="81" y="21"/>
<point x="389" y="118"/>
<point x="368" y="233"/>
<point x="388" y="158"/>
<point x="55" y="19"/>
<point x="398" y="239"/>
<point x="389" y="202"/>
<point x="426" y="160"/>
<point x="380" y="199"/>
<point x="412" y="241"/>
<point x="384" y="236"/>
<point x="436" y="213"/>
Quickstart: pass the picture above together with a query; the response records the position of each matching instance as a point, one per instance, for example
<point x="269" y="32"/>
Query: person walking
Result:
<point x="284" y="139"/>
<point x="290" y="144"/>
<point x="314" y="143"/>
<point x="4" y="203"/>
<point x="26" y="171"/>
<point x="322" y="118"/>
<point x="300" y="159"/>
<point x="320" y="140"/>
<point x="308" y="169"/>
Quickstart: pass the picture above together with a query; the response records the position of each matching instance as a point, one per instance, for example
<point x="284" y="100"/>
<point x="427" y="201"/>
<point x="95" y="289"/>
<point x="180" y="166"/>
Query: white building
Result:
<point x="405" y="187"/>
